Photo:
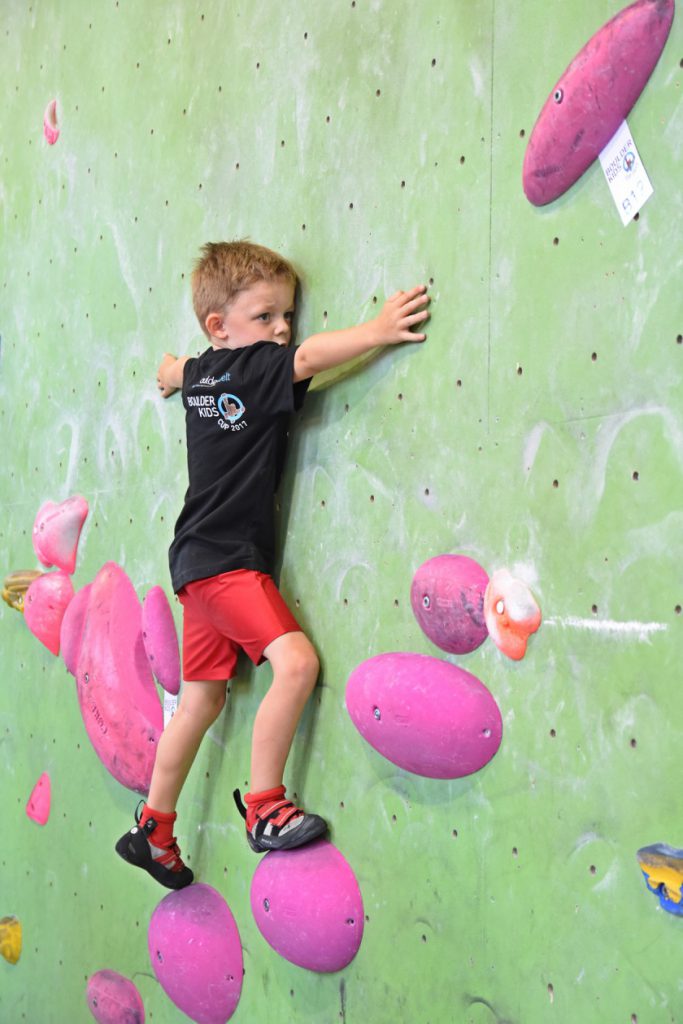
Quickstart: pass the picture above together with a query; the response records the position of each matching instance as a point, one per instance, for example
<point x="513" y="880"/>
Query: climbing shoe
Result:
<point x="163" y="863"/>
<point x="275" y="823"/>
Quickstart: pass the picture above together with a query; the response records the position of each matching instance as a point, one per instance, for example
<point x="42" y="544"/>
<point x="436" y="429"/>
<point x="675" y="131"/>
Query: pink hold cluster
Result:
<point x="196" y="953"/>
<point x="114" y="999"/>
<point x="102" y="640"/>
<point x="308" y="906"/>
<point x="57" y="530"/>
<point x="161" y="640"/>
<point x="45" y="605"/>
<point x="458" y="606"/>
<point x="38" y="806"/>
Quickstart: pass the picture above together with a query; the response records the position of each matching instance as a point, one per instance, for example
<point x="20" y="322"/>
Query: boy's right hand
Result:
<point x="164" y="376"/>
<point x="399" y="313"/>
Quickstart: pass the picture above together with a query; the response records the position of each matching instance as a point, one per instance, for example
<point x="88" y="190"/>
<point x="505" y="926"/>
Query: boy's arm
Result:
<point x="170" y="374"/>
<point x="392" y="326"/>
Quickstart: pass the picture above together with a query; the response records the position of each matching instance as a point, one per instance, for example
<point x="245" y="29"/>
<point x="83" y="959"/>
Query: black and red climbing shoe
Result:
<point x="163" y="863"/>
<point x="275" y="823"/>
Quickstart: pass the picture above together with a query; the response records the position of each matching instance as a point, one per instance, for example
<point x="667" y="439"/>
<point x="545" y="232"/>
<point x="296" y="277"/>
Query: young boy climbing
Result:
<point x="238" y="396"/>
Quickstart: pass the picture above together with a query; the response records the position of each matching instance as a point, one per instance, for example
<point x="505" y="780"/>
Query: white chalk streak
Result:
<point x="641" y="630"/>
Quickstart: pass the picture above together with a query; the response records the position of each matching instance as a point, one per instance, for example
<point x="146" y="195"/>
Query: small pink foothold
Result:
<point x="114" y="999"/>
<point x="196" y="953"/>
<point x="38" y="806"/>
<point x="45" y="604"/>
<point x="511" y="613"/>
<point x="57" y="530"/>
<point x="50" y="123"/>
<point x="161" y="640"/>
<point x="308" y="907"/>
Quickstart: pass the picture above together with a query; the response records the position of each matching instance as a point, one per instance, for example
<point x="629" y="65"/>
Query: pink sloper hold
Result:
<point x="308" y="906"/>
<point x="57" y="530"/>
<point x="38" y="806"/>
<point x="50" y="123"/>
<point x="71" y="632"/>
<point x="447" y="596"/>
<point x="114" y="999"/>
<point x="45" y="603"/>
<point x="424" y="714"/>
<point x="116" y="692"/>
<point x="512" y="614"/>
<point x="196" y="953"/>
<point x="593" y="97"/>
<point x="160" y="639"/>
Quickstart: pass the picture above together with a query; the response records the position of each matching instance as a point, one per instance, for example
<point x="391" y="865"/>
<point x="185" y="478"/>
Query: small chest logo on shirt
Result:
<point x="228" y="410"/>
<point x="231" y="408"/>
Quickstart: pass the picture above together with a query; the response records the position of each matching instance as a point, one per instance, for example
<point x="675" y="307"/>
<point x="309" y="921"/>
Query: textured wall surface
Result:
<point x="377" y="143"/>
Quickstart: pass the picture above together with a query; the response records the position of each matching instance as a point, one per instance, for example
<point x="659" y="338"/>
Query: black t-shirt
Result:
<point x="237" y="404"/>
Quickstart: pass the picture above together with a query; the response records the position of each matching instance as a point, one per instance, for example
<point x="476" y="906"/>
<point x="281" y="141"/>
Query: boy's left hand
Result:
<point x="401" y="312"/>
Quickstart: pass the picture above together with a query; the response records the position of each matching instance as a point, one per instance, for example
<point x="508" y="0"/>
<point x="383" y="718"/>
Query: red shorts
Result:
<point x="221" y="614"/>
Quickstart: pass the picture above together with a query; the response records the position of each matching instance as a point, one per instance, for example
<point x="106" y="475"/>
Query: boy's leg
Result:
<point x="150" y="844"/>
<point x="273" y="822"/>
<point x="201" y="702"/>
<point x="295" y="671"/>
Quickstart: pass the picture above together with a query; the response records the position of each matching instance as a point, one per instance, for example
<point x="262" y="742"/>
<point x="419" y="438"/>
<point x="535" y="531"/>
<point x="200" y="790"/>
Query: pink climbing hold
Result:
<point x="57" y="530"/>
<point x="116" y="692"/>
<point x="71" y="632"/>
<point x="424" y="714"/>
<point x="45" y="604"/>
<point x="308" y="906"/>
<point x="196" y="953"/>
<point x="447" y="595"/>
<point x="38" y="806"/>
<point x="511" y="612"/>
<point x="51" y="123"/>
<point x="114" y="999"/>
<point x="161" y="640"/>
<point x="592" y="98"/>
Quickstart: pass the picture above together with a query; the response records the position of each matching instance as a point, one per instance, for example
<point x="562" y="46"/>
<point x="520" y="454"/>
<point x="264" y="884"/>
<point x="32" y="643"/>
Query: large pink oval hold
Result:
<point x="196" y="953"/>
<point x="38" y="806"/>
<point x="114" y="999"/>
<point x="592" y="98"/>
<point x="424" y="714"/>
<point x="447" y="595"/>
<point x="116" y="692"/>
<point x="308" y="907"/>
<point x="57" y="530"/>
<point x="45" y="603"/>
<point x="161" y="640"/>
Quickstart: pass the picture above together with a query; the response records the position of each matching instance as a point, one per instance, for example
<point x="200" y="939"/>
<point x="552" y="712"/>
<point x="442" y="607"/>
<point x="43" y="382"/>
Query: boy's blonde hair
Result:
<point x="226" y="268"/>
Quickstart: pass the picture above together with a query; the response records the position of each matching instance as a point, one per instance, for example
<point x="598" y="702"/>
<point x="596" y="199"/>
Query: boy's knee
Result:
<point x="303" y="667"/>
<point x="205" y="704"/>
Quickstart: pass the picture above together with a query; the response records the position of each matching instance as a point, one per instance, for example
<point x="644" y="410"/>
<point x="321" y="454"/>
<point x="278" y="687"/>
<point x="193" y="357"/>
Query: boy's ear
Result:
<point x="215" y="326"/>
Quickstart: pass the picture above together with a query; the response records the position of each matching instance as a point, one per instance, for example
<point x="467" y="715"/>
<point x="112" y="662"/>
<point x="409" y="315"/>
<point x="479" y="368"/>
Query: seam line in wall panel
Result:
<point x="490" y="267"/>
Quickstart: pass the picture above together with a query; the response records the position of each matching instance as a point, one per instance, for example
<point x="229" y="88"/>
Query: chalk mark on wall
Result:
<point x="640" y="630"/>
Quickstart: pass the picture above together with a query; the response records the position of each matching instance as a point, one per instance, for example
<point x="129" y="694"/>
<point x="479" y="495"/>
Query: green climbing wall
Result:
<point x="377" y="143"/>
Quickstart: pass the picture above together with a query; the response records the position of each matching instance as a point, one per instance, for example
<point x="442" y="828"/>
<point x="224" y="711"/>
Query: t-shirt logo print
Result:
<point x="231" y="407"/>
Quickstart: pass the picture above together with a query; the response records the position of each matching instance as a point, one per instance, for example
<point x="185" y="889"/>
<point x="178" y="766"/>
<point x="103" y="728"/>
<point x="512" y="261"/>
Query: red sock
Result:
<point x="163" y="833"/>
<point x="255" y="800"/>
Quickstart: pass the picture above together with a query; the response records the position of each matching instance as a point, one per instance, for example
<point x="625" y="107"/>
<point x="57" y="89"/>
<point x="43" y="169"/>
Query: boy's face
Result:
<point x="262" y="312"/>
